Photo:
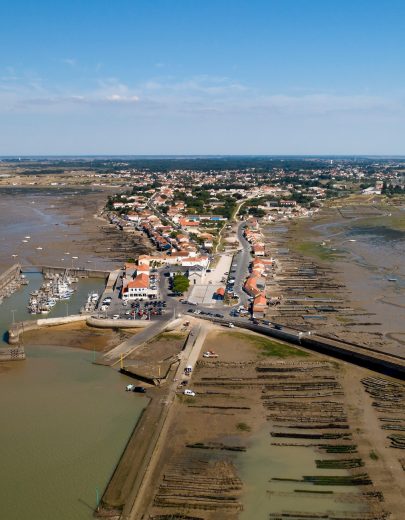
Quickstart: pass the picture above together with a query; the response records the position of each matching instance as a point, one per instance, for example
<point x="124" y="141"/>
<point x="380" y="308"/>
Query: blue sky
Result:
<point x="202" y="77"/>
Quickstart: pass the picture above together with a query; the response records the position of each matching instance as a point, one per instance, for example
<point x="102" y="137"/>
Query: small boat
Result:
<point x="392" y="279"/>
<point x="27" y="236"/>
<point x="39" y="248"/>
<point x="352" y="240"/>
<point x="25" y="241"/>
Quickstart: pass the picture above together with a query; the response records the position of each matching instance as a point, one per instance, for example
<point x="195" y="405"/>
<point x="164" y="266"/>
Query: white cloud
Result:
<point x="198" y="94"/>
<point x="70" y="61"/>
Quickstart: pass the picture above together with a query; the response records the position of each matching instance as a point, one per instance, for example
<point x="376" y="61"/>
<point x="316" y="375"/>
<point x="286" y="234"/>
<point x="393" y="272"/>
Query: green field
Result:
<point x="269" y="347"/>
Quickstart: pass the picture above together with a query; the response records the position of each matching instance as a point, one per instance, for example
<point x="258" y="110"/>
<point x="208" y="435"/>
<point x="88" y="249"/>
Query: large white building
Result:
<point x="138" y="288"/>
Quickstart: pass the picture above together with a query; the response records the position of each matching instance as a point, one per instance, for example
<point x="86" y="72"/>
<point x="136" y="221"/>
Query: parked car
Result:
<point x="189" y="392"/>
<point x="139" y="389"/>
<point x="116" y="317"/>
<point x="210" y="354"/>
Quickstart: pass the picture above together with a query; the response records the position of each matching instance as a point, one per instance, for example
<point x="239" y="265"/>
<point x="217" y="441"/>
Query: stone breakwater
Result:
<point x="10" y="281"/>
<point x="24" y="326"/>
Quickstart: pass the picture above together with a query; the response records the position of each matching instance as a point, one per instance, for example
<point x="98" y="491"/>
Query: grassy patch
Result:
<point x="269" y="347"/>
<point x="315" y="250"/>
<point x="243" y="427"/>
<point x="169" y="336"/>
<point x="343" y="319"/>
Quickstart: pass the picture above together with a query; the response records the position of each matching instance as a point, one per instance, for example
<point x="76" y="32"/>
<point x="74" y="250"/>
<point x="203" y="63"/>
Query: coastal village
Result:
<point x="233" y="350"/>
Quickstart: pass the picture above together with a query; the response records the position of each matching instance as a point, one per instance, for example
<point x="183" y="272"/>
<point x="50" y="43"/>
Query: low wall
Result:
<point x="103" y="323"/>
<point x="24" y="326"/>
<point x="80" y="272"/>
<point x="9" y="275"/>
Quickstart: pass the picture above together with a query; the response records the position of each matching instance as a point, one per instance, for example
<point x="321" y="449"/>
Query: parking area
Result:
<point x="111" y="305"/>
<point x="203" y="294"/>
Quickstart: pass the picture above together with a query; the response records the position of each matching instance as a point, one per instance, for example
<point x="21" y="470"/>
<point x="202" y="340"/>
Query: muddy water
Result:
<point x="65" y="423"/>
<point x="262" y="496"/>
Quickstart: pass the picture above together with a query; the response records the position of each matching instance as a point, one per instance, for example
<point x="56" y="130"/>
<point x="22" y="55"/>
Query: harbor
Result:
<point x="65" y="389"/>
<point x="16" y="308"/>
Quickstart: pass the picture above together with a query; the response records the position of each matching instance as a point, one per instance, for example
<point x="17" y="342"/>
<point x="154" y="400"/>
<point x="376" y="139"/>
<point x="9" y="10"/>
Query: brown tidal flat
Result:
<point x="77" y="335"/>
<point x="60" y="221"/>
<point x="294" y="402"/>
<point x="338" y="286"/>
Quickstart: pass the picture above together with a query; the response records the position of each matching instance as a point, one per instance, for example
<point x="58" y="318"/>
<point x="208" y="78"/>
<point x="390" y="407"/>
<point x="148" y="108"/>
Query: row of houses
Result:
<point x="260" y="267"/>
<point x="254" y="236"/>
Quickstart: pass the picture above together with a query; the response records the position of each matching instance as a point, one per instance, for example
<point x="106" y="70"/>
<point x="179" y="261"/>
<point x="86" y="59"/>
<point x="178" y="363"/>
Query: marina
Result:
<point x="55" y="287"/>
<point x="15" y="310"/>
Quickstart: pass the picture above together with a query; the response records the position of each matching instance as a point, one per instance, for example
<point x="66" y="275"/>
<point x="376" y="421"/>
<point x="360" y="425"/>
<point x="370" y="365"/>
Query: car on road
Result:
<point x="189" y="392"/>
<point x="278" y="327"/>
<point x="231" y="325"/>
<point x="219" y="315"/>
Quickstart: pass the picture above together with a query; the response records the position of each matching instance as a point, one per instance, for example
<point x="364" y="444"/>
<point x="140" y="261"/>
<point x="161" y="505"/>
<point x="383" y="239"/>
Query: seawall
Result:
<point x="79" y="272"/>
<point x="8" y="276"/>
<point x="24" y="326"/>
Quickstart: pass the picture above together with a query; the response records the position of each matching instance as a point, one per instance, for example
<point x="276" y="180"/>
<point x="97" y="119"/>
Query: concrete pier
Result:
<point x="79" y="272"/>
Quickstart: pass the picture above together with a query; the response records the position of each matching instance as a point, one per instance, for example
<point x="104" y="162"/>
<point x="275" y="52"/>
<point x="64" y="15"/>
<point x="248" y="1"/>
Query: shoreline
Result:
<point x="325" y="246"/>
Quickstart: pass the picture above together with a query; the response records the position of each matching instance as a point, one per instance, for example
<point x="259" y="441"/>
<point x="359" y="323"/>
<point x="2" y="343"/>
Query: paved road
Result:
<point x="150" y="470"/>
<point x="243" y="259"/>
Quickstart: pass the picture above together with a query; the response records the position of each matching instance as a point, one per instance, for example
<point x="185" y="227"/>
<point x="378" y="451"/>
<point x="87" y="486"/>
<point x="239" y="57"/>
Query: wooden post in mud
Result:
<point x="97" y="500"/>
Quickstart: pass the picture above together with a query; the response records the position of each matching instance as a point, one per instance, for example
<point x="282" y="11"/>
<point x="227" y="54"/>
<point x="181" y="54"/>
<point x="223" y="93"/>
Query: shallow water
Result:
<point x="262" y="496"/>
<point x="65" y="423"/>
<point x="373" y="269"/>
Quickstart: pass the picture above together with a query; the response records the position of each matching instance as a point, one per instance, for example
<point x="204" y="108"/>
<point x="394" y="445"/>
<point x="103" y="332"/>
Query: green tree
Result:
<point x="180" y="283"/>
